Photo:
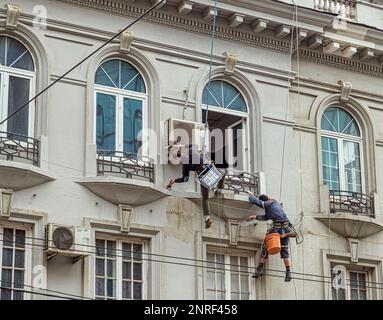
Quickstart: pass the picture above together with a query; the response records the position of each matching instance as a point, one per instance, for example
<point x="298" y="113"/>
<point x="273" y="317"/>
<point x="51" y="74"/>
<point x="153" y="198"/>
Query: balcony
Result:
<point x="20" y="161"/>
<point x="124" y="178"/>
<point x="350" y="214"/>
<point x="126" y="165"/>
<point x="351" y="202"/>
<point x="345" y="9"/>
<point x="241" y="182"/>
<point x="234" y="202"/>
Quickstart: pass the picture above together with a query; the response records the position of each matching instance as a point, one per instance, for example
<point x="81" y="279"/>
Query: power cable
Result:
<point x="179" y="258"/>
<point x="81" y="62"/>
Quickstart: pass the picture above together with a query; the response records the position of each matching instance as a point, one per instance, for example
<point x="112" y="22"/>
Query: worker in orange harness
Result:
<point x="194" y="161"/>
<point x="281" y="225"/>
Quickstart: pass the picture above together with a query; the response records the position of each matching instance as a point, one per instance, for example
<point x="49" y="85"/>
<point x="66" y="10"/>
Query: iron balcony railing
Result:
<point x="241" y="182"/>
<point x="352" y="202"/>
<point x="128" y="165"/>
<point x="17" y="147"/>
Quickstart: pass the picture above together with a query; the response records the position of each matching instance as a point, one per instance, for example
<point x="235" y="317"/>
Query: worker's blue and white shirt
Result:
<point x="273" y="210"/>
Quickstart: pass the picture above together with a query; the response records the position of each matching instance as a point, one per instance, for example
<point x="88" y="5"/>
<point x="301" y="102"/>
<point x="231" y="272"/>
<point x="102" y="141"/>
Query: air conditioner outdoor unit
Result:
<point x="182" y="132"/>
<point x="67" y="240"/>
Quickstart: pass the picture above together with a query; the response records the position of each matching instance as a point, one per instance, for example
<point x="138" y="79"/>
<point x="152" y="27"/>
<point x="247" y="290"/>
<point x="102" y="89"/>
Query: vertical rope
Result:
<point x="211" y="56"/>
<point x="286" y="112"/>
<point x="300" y="136"/>
<point x="300" y="143"/>
<point x="205" y="135"/>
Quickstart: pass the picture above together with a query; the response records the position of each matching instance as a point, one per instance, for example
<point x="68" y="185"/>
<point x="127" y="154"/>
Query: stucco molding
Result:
<point x="340" y="62"/>
<point x="230" y="34"/>
<point x="187" y="24"/>
<point x="201" y="27"/>
<point x="316" y="87"/>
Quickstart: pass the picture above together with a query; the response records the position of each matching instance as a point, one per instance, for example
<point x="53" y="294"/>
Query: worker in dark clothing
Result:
<point x="194" y="161"/>
<point x="281" y="225"/>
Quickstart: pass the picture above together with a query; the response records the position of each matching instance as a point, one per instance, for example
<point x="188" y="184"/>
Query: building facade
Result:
<point x="84" y="207"/>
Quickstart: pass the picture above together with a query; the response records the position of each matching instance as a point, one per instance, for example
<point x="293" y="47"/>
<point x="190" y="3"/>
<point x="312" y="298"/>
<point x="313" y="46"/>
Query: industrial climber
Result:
<point x="281" y="225"/>
<point x="193" y="160"/>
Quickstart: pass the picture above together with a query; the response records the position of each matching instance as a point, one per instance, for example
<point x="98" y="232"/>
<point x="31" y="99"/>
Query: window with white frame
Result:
<point x="17" y="81"/>
<point x="228" y="276"/>
<point x="356" y="285"/>
<point x="120" y="103"/>
<point x="341" y="151"/>
<point x="13" y="263"/>
<point x="120" y="271"/>
<point x="228" y="114"/>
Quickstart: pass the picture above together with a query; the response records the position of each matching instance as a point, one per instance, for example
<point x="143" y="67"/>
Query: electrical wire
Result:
<point x="69" y="295"/>
<point x="37" y="293"/>
<point x="42" y="246"/>
<point x="81" y="62"/>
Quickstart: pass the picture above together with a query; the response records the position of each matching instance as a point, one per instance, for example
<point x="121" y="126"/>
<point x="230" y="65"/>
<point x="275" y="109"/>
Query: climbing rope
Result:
<point x="205" y="157"/>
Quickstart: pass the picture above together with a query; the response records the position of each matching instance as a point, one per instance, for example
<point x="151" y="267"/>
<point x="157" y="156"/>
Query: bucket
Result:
<point x="273" y="243"/>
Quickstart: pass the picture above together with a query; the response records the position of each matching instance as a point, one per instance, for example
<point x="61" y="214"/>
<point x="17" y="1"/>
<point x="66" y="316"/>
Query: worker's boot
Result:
<point x="260" y="271"/>
<point x="288" y="276"/>
<point x="208" y="223"/>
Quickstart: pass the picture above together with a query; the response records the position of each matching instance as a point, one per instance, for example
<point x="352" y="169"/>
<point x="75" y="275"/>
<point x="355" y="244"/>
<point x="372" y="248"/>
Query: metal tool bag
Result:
<point x="210" y="176"/>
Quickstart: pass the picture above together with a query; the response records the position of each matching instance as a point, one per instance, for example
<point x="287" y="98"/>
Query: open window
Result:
<point x="227" y="118"/>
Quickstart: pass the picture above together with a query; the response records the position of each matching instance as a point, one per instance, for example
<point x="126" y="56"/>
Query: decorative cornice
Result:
<point x="331" y="88"/>
<point x="230" y="34"/>
<point x="187" y="24"/>
<point x="340" y="62"/>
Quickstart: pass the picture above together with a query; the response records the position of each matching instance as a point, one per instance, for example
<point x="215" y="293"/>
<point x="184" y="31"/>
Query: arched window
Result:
<point x="341" y="150"/>
<point x="227" y="119"/>
<point x="223" y="95"/>
<point x="120" y="106"/>
<point x="17" y="81"/>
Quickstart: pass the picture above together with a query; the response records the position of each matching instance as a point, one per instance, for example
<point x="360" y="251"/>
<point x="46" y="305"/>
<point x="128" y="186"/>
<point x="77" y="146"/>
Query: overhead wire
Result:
<point x="378" y="285"/>
<point x="124" y="251"/>
<point x="67" y="295"/>
<point x="37" y="293"/>
<point x="81" y="62"/>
